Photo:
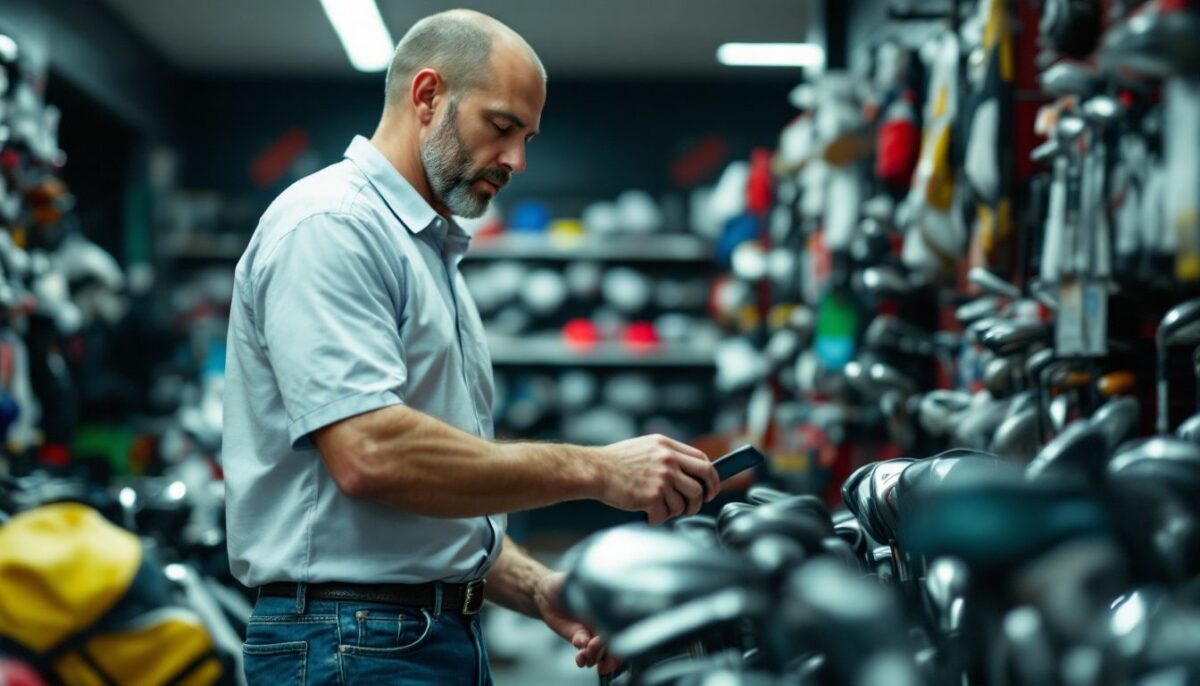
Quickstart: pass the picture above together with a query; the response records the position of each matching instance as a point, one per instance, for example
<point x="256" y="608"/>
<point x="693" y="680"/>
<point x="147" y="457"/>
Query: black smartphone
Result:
<point x="737" y="461"/>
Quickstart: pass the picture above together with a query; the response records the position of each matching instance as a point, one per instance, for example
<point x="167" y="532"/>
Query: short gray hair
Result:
<point x="455" y="46"/>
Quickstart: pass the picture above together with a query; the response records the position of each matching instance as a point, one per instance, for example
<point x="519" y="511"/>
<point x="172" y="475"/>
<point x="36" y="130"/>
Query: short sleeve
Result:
<point x="329" y="310"/>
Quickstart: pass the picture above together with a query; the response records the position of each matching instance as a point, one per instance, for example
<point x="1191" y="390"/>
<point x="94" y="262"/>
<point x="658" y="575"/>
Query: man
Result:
<point x="365" y="496"/>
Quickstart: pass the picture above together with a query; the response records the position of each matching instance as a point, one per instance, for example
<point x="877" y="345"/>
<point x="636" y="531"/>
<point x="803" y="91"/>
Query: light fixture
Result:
<point x="362" y="32"/>
<point x="771" y="55"/>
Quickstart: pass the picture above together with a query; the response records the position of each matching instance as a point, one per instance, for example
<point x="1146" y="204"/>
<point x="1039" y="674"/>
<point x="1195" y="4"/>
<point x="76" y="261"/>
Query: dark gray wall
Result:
<point x="83" y="42"/>
<point x="597" y="137"/>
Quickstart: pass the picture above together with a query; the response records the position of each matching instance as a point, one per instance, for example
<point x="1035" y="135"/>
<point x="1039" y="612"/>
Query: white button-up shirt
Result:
<point x="347" y="300"/>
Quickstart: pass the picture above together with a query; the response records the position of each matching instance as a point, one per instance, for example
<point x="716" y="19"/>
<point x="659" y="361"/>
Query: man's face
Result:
<point x="479" y="143"/>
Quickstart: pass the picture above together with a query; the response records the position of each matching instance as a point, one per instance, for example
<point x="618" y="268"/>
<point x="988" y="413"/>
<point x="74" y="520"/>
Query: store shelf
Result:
<point x="610" y="248"/>
<point x="549" y="350"/>
<point x="215" y="249"/>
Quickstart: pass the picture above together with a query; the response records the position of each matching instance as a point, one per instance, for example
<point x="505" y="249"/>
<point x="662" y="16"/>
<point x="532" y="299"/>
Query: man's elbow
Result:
<point x="354" y="464"/>
<point x="353" y="481"/>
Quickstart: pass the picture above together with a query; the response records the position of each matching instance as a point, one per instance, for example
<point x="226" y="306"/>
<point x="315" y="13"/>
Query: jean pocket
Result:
<point x="381" y="633"/>
<point x="275" y="664"/>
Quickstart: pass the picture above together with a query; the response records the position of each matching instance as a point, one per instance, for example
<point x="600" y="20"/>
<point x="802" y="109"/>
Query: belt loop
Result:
<point x="437" y="600"/>
<point x="301" y="593"/>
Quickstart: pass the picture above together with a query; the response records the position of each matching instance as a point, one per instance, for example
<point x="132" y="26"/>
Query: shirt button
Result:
<point x="360" y="615"/>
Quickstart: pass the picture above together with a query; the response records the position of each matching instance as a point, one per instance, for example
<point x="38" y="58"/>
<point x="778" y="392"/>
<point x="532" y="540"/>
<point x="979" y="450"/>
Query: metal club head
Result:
<point x="990" y="283"/>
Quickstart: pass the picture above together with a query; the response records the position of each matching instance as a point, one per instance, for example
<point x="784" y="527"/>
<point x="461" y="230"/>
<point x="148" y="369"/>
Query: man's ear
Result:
<point x="424" y="93"/>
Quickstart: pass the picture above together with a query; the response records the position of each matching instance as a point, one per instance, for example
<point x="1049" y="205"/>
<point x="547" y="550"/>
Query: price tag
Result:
<point x="1081" y="328"/>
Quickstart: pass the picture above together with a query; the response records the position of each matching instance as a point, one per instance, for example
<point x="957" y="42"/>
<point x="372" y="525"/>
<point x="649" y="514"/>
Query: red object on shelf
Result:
<point x="898" y="142"/>
<point x="641" y="336"/>
<point x="54" y="455"/>
<point x="580" y="334"/>
<point x="758" y="187"/>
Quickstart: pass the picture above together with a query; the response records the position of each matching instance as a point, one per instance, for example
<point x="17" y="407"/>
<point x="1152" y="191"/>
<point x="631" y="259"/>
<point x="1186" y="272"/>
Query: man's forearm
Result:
<point x="406" y="459"/>
<point x="514" y="580"/>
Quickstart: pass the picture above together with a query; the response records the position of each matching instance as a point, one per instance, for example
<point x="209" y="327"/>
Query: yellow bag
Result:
<point x="80" y="602"/>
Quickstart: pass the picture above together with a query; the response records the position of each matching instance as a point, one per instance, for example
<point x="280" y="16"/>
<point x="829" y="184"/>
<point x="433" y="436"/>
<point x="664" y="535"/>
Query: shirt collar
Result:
<point x="405" y="202"/>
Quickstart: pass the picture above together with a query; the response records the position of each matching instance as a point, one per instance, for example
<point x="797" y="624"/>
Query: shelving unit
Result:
<point x="613" y="248"/>
<point x="550" y="351"/>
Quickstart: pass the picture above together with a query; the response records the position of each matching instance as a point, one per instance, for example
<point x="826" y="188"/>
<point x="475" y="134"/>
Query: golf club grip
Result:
<point x="734" y="462"/>
<point x="737" y="461"/>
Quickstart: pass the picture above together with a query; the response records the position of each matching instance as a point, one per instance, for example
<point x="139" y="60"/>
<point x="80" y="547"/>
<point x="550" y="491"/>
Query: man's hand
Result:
<point x="658" y="475"/>
<point x="592" y="651"/>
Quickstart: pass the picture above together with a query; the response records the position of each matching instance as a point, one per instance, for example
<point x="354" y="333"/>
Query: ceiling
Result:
<point x="575" y="38"/>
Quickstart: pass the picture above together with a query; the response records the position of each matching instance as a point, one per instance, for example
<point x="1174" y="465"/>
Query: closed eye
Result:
<point x="500" y="129"/>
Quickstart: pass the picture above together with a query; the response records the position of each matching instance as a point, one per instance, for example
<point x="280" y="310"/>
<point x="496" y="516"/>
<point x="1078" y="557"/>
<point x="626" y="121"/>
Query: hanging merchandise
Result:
<point x="898" y="128"/>
<point x="1070" y="27"/>
<point x="836" y="329"/>
<point x="837" y="120"/>
<point x="1182" y="109"/>
<point x="934" y="236"/>
<point x="1128" y="184"/>
<point x="23" y="431"/>
<point x="1159" y="41"/>
<point x="988" y="163"/>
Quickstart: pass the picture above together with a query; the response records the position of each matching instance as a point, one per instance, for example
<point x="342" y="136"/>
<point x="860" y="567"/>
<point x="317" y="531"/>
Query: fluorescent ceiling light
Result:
<point x="771" y="55"/>
<point x="362" y="32"/>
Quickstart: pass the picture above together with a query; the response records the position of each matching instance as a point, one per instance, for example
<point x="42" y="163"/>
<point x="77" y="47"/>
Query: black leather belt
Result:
<point x="463" y="598"/>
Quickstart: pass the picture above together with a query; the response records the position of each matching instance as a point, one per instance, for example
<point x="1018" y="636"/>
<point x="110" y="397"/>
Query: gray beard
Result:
<point x="448" y="165"/>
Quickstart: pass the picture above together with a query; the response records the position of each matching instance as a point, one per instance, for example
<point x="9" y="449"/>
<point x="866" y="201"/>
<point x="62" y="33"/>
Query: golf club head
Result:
<point x="990" y="283"/>
<point x="1017" y="436"/>
<point x="849" y="618"/>
<point x="883" y="281"/>
<point x="1167" y="461"/>
<point x="1001" y="376"/>
<point x="1047" y="151"/>
<point x="1037" y="362"/>
<point x="1181" y="324"/>
<point x="1189" y="430"/>
<point x="881" y="513"/>
<point x="1010" y="338"/>
<point x="699" y="528"/>
<point x="1074" y="583"/>
<point x="972" y="311"/>
<point x="676" y="624"/>
<point x="856" y="494"/>
<point x="804" y="503"/>
<point x="888" y="378"/>
<point x="803" y="528"/>
<point x="761" y="495"/>
<point x="939" y="411"/>
<point x="948" y="469"/>
<point x="1157" y="45"/>
<point x="947" y="581"/>
<point x="629" y="573"/>
<point x="1080" y="451"/>
<point x="1029" y="646"/>
<point x="732" y="511"/>
<point x="1025" y="518"/>
<point x="978" y="424"/>
<point x="1102" y="110"/>
<point x="1118" y="419"/>
<point x="1069" y="128"/>
<point x="1071" y="78"/>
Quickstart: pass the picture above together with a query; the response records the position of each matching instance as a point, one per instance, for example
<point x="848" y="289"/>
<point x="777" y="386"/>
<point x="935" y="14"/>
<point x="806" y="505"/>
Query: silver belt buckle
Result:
<point x="473" y="597"/>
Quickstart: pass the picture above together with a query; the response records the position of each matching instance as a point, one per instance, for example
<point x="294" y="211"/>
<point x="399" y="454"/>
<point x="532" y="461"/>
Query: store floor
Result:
<point x="525" y="652"/>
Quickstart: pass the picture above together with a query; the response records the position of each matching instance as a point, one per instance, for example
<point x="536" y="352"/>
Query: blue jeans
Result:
<point x="297" y="641"/>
